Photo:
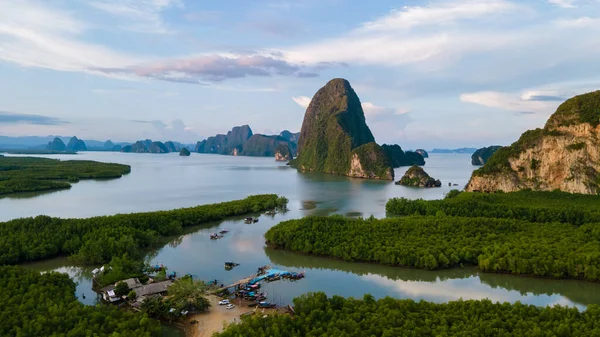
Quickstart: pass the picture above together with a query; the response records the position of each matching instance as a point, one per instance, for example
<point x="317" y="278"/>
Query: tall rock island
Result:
<point x="335" y="137"/>
<point x="564" y="155"/>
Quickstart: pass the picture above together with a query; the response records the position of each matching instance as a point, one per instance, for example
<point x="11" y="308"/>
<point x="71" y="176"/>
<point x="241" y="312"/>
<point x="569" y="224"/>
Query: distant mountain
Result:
<point x="289" y="136"/>
<point x="469" y="150"/>
<point x="76" y="144"/>
<point x="399" y="158"/>
<point x="56" y="145"/>
<point x="240" y="141"/>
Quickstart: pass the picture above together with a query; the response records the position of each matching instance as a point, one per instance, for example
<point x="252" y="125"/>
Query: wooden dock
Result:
<point x="242" y="281"/>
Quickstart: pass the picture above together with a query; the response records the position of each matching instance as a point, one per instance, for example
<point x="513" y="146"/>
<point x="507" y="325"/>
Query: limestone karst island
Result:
<point x="277" y="168"/>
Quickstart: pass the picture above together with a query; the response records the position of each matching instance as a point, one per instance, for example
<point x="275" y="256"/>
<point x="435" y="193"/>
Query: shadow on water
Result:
<point x="577" y="291"/>
<point x="29" y="195"/>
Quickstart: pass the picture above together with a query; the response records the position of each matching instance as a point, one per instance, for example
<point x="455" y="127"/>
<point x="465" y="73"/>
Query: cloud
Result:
<point x="143" y="16"/>
<point x="581" y="22"/>
<point x="391" y="40"/>
<point x="34" y="35"/>
<point x="206" y="69"/>
<point x="563" y="3"/>
<point x="15" y="118"/>
<point x="302" y="101"/>
<point x="441" y="14"/>
<point x="175" y="130"/>
<point x="510" y="102"/>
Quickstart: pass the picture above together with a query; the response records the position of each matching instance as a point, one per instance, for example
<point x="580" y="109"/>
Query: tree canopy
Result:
<point x="35" y="304"/>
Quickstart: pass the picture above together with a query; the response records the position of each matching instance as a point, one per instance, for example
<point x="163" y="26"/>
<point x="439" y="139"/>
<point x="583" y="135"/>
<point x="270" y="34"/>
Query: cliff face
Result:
<point x="417" y="177"/>
<point x="289" y="136"/>
<point x="564" y="155"/>
<point x="481" y="156"/>
<point x="238" y="136"/>
<point x="334" y="125"/>
<point x="56" y="145"/>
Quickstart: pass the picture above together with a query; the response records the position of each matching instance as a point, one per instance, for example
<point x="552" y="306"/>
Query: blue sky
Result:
<point x="447" y="73"/>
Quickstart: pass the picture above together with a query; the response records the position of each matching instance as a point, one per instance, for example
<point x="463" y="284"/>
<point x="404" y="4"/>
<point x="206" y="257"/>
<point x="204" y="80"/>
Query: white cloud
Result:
<point x="441" y="14"/>
<point x="582" y="22"/>
<point x="564" y="3"/>
<point x="509" y="101"/>
<point x="140" y="15"/>
<point x="34" y="35"/>
<point x="390" y="41"/>
<point x="302" y="101"/>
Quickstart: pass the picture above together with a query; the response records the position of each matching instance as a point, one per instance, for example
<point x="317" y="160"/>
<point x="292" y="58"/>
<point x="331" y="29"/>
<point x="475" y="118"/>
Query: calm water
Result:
<point x="169" y="181"/>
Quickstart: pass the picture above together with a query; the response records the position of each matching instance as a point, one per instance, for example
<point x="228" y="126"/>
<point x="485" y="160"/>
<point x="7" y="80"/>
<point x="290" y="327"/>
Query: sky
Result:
<point x="440" y="73"/>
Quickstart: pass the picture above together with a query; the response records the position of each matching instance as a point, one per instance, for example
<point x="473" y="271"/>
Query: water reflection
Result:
<point x="451" y="284"/>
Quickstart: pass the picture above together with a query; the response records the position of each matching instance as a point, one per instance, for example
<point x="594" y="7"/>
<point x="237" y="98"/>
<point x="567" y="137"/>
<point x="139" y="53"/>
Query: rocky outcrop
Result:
<point x="422" y="152"/>
<point x="75" y="144"/>
<point x="481" y="156"/>
<point x="56" y="145"/>
<point x="399" y="158"/>
<point x="184" y="152"/>
<point x="171" y="147"/>
<point x="369" y="161"/>
<point x="158" y="147"/>
<point x="564" y="155"/>
<point x="283" y="152"/>
<point x="238" y="136"/>
<point x="265" y="146"/>
<point x="137" y="147"/>
<point x="333" y="130"/>
<point x="415" y="176"/>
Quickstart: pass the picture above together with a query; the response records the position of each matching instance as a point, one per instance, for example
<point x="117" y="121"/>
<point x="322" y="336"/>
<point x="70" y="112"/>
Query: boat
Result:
<point x="224" y="231"/>
<point x="231" y="264"/>
<point x="270" y="212"/>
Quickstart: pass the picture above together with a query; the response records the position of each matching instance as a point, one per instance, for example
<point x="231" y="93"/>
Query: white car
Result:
<point x="230" y="306"/>
<point x="223" y="302"/>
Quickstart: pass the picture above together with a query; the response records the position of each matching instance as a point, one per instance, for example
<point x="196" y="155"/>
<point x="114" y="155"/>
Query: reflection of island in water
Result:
<point x="580" y="292"/>
<point x="326" y="194"/>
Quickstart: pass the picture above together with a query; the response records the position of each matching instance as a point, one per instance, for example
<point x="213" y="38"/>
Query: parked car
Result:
<point x="230" y="306"/>
<point x="223" y="302"/>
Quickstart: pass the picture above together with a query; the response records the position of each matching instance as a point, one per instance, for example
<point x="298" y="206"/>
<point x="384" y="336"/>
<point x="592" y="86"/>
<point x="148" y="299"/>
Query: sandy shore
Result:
<point x="214" y="319"/>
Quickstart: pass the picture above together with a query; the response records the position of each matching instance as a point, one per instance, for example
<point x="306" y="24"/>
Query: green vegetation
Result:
<point x="499" y="161"/>
<point x="96" y="240"/>
<point x="556" y="206"/>
<point x="374" y="161"/>
<point x="576" y="146"/>
<point x="317" y="315"/>
<point x="122" y="268"/>
<point x="28" y="174"/>
<point x="35" y="304"/>
<point x="334" y="125"/>
<point x="415" y="176"/>
<point x="579" y="109"/>
<point x="184" y="294"/>
<point x="555" y="250"/>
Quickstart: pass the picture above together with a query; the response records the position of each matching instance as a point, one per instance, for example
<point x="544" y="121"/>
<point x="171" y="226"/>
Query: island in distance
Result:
<point x="564" y="155"/>
<point x="336" y="139"/>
